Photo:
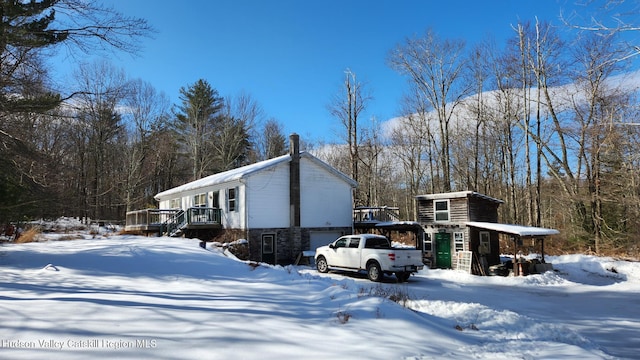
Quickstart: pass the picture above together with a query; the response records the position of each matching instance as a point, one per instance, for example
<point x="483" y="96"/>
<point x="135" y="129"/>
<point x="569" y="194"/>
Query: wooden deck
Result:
<point x="173" y="222"/>
<point x="370" y="216"/>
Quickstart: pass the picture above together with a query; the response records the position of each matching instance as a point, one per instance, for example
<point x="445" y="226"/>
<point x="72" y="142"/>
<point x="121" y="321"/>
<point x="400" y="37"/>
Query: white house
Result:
<point x="283" y="206"/>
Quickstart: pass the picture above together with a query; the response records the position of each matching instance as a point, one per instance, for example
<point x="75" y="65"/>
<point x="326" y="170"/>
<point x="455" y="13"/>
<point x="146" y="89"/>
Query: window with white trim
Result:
<point x="441" y="210"/>
<point x="458" y="240"/>
<point x="174" y="203"/>
<point x="232" y="194"/>
<point x="200" y="200"/>
<point x="427" y="243"/>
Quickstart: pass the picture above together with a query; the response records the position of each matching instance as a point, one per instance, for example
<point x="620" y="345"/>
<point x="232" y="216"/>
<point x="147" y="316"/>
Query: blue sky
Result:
<point x="291" y="55"/>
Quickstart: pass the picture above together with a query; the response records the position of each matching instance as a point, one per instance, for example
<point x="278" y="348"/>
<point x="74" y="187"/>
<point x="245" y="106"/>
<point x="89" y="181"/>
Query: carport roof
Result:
<point x="519" y="230"/>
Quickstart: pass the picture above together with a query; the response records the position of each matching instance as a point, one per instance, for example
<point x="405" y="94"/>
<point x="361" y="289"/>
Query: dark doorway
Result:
<point x="269" y="248"/>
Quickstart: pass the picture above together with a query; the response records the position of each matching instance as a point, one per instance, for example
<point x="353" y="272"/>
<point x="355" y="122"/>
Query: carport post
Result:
<point x="516" y="240"/>
<point x="515" y="256"/>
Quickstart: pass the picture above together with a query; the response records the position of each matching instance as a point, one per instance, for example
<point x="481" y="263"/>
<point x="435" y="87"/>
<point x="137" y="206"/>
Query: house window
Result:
<point x="174" y="204"/>
<point x="232" y="199"/>
<point x="200" y="200"/>
<point x="458" y="240"/>
<point x="441" y="209"/>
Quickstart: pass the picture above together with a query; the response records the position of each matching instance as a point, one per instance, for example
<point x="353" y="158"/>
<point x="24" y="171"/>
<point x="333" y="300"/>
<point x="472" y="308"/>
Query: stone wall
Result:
<point x="290" y="242"/>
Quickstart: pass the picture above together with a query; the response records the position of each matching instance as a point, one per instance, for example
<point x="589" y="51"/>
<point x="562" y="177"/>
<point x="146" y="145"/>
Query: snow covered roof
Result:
<point x="519" y="230"/>
<point x="244" y="171"/>
<point x="458" y="194"/>
<point x="398" y="224"/>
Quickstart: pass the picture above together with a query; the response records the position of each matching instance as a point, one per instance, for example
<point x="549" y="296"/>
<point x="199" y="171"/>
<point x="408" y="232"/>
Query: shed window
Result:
<point x="441" y="209"/>
<point x="232" y="194"/>
<point x="485" y="243"/>
<point x="200" y="200"/>
<point x="427" y="243"/>
<point x="458" y="240"/>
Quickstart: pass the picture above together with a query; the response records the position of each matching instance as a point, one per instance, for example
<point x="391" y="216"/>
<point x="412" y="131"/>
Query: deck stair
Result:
<point x="176" y="224"/>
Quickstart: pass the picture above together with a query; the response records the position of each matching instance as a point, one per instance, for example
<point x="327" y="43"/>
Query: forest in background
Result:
<point x="547" y="122"/>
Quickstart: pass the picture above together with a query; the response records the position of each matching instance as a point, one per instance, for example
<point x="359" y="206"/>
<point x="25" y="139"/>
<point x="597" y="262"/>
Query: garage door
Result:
<point x="321" y="238"/>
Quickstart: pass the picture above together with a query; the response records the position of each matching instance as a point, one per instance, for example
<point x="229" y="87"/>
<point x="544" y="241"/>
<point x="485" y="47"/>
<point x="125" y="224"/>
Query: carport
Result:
<point x="518" y="233"/>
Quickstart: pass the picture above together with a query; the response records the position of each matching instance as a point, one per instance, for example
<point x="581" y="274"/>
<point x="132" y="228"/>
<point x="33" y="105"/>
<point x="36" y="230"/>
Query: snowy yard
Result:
<point x="165" y="298"/>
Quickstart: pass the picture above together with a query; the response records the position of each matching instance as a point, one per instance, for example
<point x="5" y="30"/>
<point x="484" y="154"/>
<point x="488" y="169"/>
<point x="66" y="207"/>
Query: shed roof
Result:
<point x="245" y="171"/>
<point x="520" y="230"/>
<point x="458" y="194"/>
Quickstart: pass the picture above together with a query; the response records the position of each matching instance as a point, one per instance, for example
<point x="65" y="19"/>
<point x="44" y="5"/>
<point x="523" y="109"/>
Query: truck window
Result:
<point x="341" y="243"/>
<point x="377" y="243"/>
<point x="354" y="242"/>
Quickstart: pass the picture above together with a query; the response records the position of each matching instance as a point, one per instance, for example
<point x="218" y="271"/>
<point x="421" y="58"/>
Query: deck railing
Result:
<point x="376" y="214"/>
<point x="148" y="219"/>
<point x="168" y="220"/>
<point x="200" y="215"/>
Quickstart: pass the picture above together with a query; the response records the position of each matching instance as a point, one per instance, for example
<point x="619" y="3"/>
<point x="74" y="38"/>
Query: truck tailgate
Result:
<point x="408" y="257"/>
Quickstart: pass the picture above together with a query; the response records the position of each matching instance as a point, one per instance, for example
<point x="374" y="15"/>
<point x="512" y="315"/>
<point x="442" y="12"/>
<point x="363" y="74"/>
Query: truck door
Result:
<point x="443" y="250"/>
<point x="339" y="257"/>
<point x="352" y="253"/>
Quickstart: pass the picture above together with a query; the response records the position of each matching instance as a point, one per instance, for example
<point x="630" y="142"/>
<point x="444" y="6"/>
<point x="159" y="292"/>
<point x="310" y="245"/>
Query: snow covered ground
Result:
<point x="165" y="298"/>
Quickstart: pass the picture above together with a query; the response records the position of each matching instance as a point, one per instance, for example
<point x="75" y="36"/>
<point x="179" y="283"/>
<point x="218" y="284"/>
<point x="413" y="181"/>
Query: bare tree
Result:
<point x="435" y="68"/>
<point x="371" y="148"/>
<point x="98" y="118"/>
<point x="244" y="108"/>
<point x="145" y="110"/>
<point x="597" y="109"/>
<point x="89" y="26"/>
<point x="608" y="17"/>
<point x="272" y="142"/>
<point x="347" y="106"/>
<point x="413" y="145"/>
<point x="29" y="32"/>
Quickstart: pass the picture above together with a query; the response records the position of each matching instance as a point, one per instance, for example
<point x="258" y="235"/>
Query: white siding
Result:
<point x="326" y="200"/>
<point x="230" y="219"/>
<point x="267" y="192"/>
<point x="233" y="219"/>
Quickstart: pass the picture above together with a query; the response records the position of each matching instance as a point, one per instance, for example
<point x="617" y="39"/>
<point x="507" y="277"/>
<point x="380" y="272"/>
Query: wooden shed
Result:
<point x="466" y="221"/>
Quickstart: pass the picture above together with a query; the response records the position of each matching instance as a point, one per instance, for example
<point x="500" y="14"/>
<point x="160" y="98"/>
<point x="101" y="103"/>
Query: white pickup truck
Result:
<point x="369" y="252"/>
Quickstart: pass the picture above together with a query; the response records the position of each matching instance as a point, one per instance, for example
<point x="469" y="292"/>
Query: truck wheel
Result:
<point x="374" y="273"/>
<point x="321" y="264"/>
<point x="403" y="276"/>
